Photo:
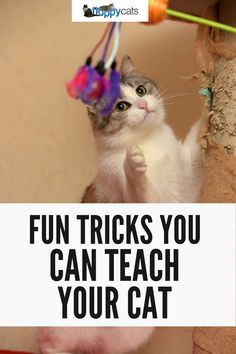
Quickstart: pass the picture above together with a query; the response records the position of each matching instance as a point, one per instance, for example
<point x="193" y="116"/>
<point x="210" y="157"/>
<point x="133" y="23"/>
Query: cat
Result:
<point x="106" y="8"/>
<point x="88" y="12"/>
<point x="139" y="159"/>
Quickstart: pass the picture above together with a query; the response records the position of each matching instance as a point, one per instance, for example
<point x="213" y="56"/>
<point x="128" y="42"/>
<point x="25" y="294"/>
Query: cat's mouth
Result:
<point x="149" y="117"/>
<point x="149" y="114"/>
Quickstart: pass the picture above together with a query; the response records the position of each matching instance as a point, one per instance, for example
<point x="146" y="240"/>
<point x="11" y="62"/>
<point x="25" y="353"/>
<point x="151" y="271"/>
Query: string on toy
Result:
<point x="115" y="47"/>
<point x="101" y="40"/>
<point x="108" y="42"/>
<point x="158" y="11"/>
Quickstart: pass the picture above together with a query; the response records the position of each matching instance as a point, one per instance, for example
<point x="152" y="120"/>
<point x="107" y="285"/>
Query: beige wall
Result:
<point x="46" y="146"/>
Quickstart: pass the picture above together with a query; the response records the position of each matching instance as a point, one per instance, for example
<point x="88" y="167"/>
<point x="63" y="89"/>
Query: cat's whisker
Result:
<point x="162" y="93"/>
<point x="180" y="94"/>
<point x="163" y="90"/>
<point x="164" y="99"/>
<point x="173" y="103"/>
<point x="177" y="84"/>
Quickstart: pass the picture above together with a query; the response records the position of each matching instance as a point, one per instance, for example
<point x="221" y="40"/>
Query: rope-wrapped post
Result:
<point x="217" y="57"/>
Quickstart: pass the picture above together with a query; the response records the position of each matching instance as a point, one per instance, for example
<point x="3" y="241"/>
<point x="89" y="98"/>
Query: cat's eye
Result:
<point x="122" y="106"/>
<point x="141" y="91"/>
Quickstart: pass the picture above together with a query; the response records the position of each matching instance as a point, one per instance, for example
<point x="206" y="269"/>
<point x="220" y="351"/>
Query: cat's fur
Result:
<point x="92" y="340"/>
<point x="139" y="159"/>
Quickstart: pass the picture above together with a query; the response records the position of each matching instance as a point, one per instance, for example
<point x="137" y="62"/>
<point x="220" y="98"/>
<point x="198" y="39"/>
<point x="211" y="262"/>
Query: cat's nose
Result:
<point x="142" y="104"/>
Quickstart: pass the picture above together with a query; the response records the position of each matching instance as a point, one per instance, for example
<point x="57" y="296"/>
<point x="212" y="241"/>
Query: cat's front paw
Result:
<point x="135" y="161"/>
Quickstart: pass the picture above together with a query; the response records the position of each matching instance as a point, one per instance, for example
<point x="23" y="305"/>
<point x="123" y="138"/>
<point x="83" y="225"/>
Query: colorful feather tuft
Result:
<point x="112" y="93"/>
<point x="90" y="84"/>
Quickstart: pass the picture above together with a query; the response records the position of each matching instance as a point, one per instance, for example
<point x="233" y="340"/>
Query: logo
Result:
<point x="109" y="11"/>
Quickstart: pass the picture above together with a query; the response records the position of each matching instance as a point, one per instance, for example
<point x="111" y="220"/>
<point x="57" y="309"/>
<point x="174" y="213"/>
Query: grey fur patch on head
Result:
<point x="127" y="67"/>
<point x="113" y="123"/>
<point x="136" y="80"/>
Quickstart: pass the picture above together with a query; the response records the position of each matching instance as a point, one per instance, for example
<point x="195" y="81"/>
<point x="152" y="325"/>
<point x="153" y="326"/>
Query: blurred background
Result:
<point x="46" y="145"/>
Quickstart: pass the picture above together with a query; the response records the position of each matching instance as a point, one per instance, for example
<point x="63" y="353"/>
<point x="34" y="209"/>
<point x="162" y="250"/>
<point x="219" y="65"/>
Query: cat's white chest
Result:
<point x="161" y="154"/>
<point x="153" y="155"/>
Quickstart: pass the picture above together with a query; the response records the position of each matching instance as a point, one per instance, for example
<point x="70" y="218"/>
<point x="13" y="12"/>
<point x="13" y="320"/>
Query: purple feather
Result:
<point x="112" y="93"/>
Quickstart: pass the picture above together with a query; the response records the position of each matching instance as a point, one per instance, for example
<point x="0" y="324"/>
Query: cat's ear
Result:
<point x="127" y="67"/>
<point x="91" y="110"/>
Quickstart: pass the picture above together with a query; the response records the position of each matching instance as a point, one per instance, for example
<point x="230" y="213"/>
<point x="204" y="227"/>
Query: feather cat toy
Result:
<point x="90" y="83"/>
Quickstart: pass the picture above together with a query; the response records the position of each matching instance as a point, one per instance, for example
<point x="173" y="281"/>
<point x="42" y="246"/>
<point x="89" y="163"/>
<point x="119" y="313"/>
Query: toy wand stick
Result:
<point x="200" y="20"/>
<point x="158" y="11"/>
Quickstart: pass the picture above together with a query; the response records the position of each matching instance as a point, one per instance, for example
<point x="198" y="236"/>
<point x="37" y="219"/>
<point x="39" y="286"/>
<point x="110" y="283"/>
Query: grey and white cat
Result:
<point x="106" y="7"/>
<point x="139" y="159"/>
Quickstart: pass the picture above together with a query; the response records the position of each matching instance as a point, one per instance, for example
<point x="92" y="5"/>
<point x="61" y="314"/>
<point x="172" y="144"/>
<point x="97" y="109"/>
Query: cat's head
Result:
<point x="111" y="6"/>
<point x="85" y="7"/>
<point x="139" y="108"/>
